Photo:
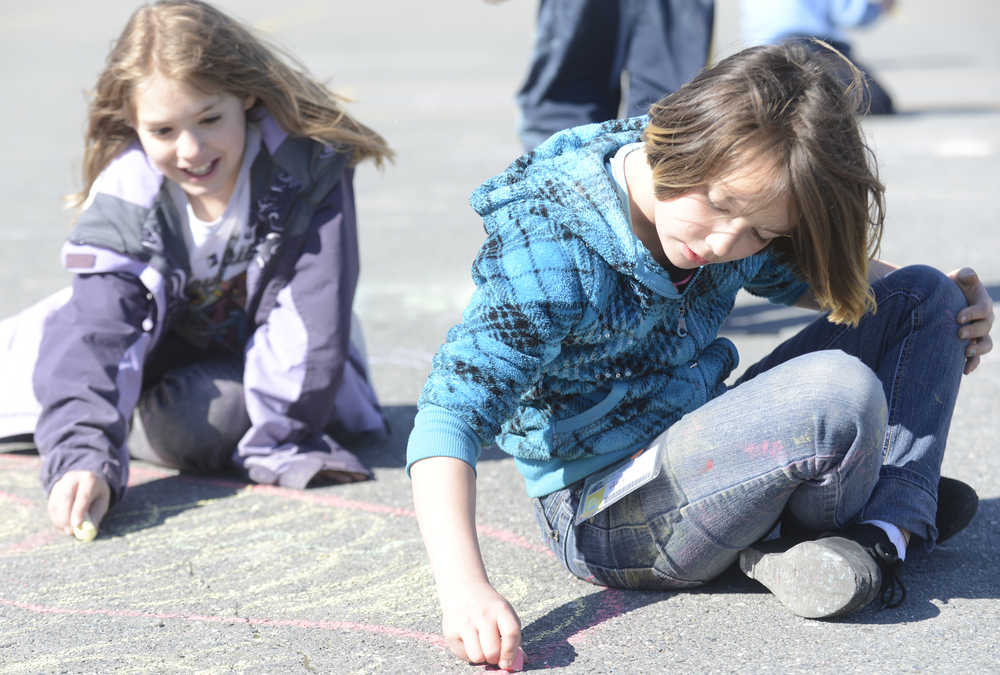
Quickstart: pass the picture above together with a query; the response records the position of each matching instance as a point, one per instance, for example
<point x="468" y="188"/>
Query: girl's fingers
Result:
<point x="979" y="313"/>
<point x="471" y="647"/>
<point x="81" y="503"/>
<point x="511" y="655"/>
<point x="971" y="364"/>
<point x="457" y="647"/>
<point x="967" y="280"/>
<point x="76" y="497"/>
<point x="975" y="293"/>
<point x="489" y="643"/>
<point x="99" y="506"/>
<point x="60" y="504"/>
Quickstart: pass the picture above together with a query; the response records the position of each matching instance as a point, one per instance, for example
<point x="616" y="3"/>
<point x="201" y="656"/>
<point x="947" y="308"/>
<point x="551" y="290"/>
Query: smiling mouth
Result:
<point x="201" y="171"/>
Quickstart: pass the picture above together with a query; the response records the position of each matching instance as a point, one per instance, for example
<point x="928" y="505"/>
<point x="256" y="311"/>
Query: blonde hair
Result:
<point x="780" y="103"/>
<point x="193" y="42"/>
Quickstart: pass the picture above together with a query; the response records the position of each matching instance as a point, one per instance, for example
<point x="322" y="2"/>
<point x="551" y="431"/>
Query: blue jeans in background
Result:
<point x="582" y="47"/>
<point x="837" y="425"/>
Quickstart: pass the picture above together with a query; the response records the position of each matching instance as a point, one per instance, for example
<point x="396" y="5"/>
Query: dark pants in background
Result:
<point x="876" y="100"/>
<point x="582" y="48"/>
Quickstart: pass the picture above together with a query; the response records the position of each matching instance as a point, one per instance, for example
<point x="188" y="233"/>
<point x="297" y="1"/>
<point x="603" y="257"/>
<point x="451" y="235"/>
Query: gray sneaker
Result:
<point x="836" y="574"/>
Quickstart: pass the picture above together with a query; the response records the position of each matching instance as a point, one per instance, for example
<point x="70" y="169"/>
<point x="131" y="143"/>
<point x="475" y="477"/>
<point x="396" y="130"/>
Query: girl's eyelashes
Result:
<point x="163" y="132"/>
<point x="713" y="205"/>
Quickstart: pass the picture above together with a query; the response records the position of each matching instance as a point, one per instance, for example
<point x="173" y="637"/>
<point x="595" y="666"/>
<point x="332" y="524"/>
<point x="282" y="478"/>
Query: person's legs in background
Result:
<point x="669" y="42"/>
<point x="583" y="46"/>
<point x="570" y="80"/>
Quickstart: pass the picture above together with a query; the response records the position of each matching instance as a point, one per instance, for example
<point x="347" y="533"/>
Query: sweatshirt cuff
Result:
<point x="439" y="432"/>
<point x="57" y="464"/>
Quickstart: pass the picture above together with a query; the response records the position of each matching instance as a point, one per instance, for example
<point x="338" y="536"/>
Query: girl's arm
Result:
<point x="856" y="13"/>
<point x="87" y="379"/>
<point x="879" y="268"/>
<point x="479" y="625"/>
<point x="975" y="321"/>
<point x="876" y="270"/>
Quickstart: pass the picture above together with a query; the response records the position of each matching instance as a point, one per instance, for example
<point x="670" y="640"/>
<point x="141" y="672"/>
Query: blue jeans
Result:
<point x="836" y="425"/>
<point x="583" y="46"/>
<point x="192" y="412"/>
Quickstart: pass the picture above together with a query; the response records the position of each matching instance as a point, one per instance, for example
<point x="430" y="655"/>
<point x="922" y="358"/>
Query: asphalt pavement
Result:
<point x="209" y="575"/>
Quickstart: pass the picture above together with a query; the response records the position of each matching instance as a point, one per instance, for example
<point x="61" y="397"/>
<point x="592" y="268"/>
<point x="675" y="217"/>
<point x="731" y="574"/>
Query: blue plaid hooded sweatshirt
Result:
<point x="576" y="349"/>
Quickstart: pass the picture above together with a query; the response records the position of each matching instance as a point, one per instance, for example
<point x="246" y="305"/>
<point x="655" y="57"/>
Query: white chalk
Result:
<point x="86" y="532"/>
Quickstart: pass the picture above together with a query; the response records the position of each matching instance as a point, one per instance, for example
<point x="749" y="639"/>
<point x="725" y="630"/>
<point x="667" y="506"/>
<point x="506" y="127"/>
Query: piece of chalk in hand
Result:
<point x="517" y="664"/>
<point x="518" y="660"/>
<point x="86" y="531"/>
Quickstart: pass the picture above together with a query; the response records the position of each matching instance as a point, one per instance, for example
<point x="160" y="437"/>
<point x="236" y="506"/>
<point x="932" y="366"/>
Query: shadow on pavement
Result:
<point x="152" y="503"/>
<point x="550" y="638"/>
<point x="764" y="318"/>
<point x="963" y="568"/>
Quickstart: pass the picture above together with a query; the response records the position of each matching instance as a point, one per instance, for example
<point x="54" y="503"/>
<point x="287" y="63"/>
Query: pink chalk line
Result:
<point x="335" y="501"/>
<point x="17" y="500"/>
<point x="35" y="541"/>
<point x="612" y="606"/>
<point x="18" y="459"/>
<point x="429" y="638"/>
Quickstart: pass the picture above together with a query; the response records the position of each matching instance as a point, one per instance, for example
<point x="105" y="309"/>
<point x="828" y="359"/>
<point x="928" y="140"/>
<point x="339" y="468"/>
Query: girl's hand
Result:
<point x="78" y="496"/>
<point x="480" y="626"/>
<point x="976" y="320"/>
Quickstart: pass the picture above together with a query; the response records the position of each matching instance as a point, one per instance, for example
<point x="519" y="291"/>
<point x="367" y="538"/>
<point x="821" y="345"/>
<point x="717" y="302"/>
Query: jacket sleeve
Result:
<point x="775" y="281"/>
<point x="530" y="293"/>
<point x="88" y="378"/>
<point x="297" y="357"/>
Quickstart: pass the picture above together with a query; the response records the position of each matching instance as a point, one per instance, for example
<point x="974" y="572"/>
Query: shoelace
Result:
<point x="890" y="563"/>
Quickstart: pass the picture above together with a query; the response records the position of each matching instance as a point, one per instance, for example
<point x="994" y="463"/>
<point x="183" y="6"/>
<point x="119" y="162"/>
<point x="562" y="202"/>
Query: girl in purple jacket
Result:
<point x="215" y="257"/>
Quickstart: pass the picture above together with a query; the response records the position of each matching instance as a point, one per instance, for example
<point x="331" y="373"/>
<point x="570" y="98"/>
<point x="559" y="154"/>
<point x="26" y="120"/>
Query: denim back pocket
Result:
<point x="554" y="515"/>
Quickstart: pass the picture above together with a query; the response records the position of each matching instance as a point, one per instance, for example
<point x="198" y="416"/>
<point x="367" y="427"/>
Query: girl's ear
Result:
<point x="248" y="101"/>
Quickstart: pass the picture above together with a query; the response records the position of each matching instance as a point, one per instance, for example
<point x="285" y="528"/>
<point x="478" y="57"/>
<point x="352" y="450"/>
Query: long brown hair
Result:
<point x="193" y="42"/>
<point x="780" y="103"/>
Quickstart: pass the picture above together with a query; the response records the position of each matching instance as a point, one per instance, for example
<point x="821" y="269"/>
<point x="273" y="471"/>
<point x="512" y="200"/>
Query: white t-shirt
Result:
<point x="218" y="254"/>
<point x="219" y="250"/>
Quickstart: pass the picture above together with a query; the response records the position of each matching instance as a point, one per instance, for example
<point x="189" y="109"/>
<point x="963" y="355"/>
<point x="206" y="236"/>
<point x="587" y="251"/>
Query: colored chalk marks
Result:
<point x="247" y="577"/>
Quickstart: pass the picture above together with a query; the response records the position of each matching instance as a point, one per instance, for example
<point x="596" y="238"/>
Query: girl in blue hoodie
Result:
<point x="590" y="352"/>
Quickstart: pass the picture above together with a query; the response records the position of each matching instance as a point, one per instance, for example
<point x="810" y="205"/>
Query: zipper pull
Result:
<point x="682" y="326"/>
